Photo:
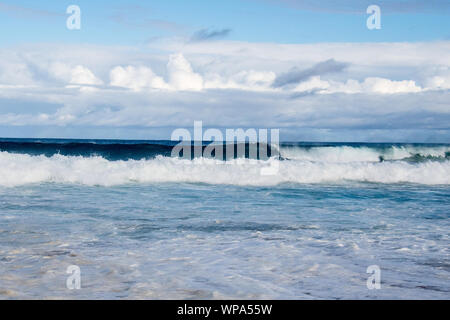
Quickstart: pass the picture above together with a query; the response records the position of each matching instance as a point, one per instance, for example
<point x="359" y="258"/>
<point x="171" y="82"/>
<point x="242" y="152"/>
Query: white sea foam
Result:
<point x="22" y="169"/>
<point x="342" y="154"/>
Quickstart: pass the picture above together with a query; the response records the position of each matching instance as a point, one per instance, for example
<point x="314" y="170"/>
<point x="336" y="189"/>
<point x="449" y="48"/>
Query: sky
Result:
<point x="140" y="69"/>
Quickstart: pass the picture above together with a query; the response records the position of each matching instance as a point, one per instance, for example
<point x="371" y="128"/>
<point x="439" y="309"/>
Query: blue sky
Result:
<point x="135" y="22"/>
<point x="138" y="69"/>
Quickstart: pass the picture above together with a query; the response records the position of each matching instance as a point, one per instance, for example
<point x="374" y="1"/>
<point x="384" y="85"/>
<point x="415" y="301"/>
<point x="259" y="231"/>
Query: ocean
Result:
<point x="139" y="223"/>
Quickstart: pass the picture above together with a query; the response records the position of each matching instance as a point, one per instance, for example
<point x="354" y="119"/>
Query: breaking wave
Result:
<point x="341" y="154"/>
<point x="312" y="166"/>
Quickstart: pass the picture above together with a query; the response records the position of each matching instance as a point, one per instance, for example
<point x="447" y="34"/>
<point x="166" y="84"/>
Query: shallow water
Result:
<point x="194" y="240"/>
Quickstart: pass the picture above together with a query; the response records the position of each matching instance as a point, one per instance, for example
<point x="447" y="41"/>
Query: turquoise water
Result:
<point x="289" y="237"/>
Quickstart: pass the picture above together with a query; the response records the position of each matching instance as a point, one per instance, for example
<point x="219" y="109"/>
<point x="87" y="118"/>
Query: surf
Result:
<point x="23" y="169"/>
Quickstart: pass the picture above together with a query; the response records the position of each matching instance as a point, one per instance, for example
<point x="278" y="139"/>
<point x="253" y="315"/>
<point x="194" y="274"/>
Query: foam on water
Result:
<point x="197" y="241"/>
<point x="22" y="169"/>
<point x="355" y="154"/>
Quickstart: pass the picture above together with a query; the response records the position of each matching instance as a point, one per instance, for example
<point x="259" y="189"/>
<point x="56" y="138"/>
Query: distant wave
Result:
<point x="110" y="150"/>
<point x="344" y="154"/>
<point x="21" y="169"/>
<point x="316" y="152"/>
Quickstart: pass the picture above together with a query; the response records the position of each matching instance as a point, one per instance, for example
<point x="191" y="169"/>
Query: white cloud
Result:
<point x="82" y="75"/>
<point x="315" y="83"/>
<point x="136" y="78"/>
<point x="78" y="75"/>
<point x="15" y="74"/>
<point x="181" y="75"/>
<point x="439" y="82"/>
<point x="375" y="85"/>
<point x="228" y="84"/>
<point x="386" y="86"/>
<point x="371" y="85"/>
<point x="244" y="80"/>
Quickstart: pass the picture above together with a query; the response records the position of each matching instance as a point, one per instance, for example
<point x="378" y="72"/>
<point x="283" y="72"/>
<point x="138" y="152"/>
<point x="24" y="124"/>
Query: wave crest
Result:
<point x="22" y="169"/>
<point x="341" y="154"/>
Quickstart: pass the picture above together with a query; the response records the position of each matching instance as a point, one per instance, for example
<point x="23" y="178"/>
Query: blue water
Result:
<point x="204" y="230"/>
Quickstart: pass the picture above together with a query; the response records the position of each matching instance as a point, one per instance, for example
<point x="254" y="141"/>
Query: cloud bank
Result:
<point x="310" y="92"/>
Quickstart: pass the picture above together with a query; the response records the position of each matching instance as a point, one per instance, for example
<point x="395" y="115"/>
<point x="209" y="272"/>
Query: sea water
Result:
<point x="141" y="224"/>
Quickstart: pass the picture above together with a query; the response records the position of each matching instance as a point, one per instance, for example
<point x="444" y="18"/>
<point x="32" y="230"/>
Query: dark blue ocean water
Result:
<point x="142" y="224"/>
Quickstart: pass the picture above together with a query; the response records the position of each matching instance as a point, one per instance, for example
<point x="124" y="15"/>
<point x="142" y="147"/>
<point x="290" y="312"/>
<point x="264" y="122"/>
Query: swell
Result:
<point x="115" y="150"/>
<point x="111" y="151"/>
